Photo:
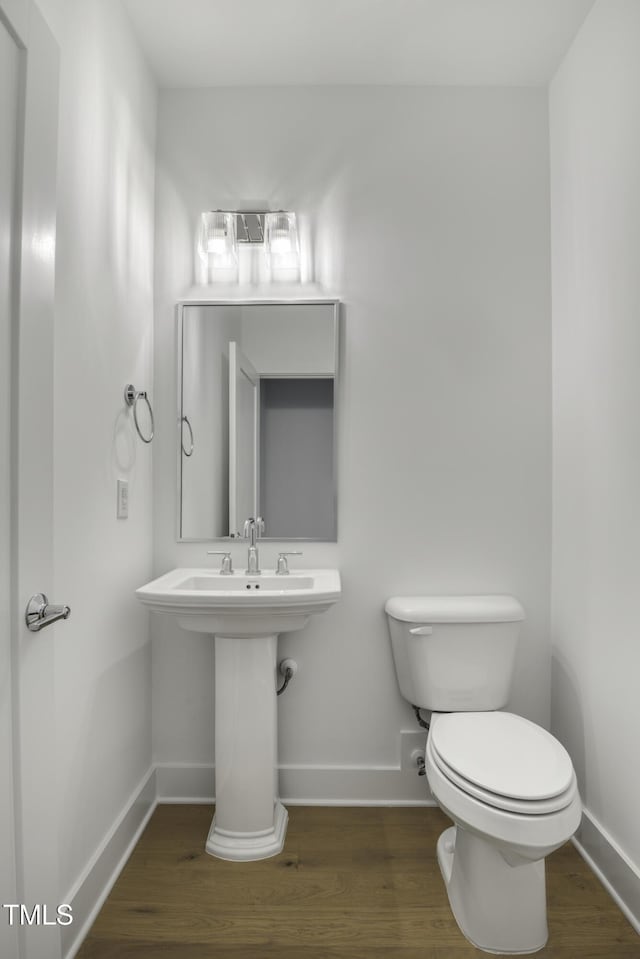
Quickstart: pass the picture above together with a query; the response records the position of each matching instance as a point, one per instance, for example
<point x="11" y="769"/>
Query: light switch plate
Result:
<point x="123" y="499"/>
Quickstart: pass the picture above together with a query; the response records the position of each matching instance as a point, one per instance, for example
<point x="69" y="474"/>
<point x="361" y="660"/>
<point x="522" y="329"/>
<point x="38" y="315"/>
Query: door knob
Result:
<point x="40" y="613"/>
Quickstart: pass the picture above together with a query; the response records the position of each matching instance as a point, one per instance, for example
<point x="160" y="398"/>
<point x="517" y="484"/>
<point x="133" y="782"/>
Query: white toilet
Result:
<point x="506" y="783"/>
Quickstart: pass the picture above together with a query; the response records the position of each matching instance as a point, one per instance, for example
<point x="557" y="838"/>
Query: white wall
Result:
<point x="428" y="213"/>
<point x="103" y="339"/>
<point x="595" y="154"/>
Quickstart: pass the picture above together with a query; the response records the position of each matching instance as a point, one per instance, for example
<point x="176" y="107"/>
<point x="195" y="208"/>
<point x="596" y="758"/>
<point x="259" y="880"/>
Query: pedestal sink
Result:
<point x="245" y="614"/>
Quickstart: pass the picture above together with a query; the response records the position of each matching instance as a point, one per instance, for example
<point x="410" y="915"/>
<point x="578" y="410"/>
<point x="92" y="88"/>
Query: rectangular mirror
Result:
<point x="256" y="418"/>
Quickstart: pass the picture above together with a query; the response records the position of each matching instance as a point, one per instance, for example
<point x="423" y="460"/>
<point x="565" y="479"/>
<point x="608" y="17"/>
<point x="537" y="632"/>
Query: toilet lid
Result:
<point x="503" y="754"/>
<point x="523" y="807"/>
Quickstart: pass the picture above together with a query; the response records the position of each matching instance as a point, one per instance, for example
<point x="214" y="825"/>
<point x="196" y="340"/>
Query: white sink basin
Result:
<point x="205" y="601"/>
<point x="245" y="614"/>
<point x="229" y="584"/>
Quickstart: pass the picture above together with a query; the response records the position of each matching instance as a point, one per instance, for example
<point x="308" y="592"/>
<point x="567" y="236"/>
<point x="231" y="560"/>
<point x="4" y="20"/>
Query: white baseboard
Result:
<point x="353" y="786"/>
<point x="305" y="785"/>
<point x="94" y="884"/>
<point x="611" y="865"/>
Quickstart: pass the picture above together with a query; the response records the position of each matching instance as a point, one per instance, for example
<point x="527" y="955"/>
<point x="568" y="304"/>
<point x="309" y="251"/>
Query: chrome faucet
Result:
<point x="252" y="530"/>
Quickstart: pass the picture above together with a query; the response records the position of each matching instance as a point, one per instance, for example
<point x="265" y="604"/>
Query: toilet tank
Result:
<point x="455" y="653"/>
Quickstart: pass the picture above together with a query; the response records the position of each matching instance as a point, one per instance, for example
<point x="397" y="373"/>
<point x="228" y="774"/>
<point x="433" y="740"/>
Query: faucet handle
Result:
<point x="282" y="566"/>
<point x="226" y="567"/>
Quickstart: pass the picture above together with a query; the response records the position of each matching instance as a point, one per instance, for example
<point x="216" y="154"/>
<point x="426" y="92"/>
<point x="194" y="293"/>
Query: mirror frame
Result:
<point x="292" y="301"/>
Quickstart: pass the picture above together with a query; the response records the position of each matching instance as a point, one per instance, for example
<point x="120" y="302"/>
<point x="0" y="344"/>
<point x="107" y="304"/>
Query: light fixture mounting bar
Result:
<point x="250" y="225"/>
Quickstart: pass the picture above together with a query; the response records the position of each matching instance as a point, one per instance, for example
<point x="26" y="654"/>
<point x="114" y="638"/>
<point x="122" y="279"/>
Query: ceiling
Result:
<point x="198" y="43"/>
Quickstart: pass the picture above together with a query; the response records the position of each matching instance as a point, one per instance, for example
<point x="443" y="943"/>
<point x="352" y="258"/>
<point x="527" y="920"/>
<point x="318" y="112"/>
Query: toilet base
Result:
<point x="499" y="908"/>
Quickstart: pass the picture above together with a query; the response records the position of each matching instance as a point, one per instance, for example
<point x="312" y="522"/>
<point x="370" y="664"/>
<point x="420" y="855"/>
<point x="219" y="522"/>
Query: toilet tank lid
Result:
<point x="455" y="609"/>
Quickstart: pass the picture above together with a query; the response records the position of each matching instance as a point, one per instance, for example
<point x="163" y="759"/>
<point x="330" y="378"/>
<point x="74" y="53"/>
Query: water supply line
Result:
<point x="421" y="722"/>
<point x="417" y="756"/>
<point x="288" y="669"/>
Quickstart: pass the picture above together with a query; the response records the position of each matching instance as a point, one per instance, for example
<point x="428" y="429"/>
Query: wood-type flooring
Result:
<point x="351" y="883"/>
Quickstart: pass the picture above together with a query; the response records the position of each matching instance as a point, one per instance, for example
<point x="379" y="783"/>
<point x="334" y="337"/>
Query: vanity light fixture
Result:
<point x="222" y="231"/>
<point x="282" y="245"/>
<point x="217" y="239"/>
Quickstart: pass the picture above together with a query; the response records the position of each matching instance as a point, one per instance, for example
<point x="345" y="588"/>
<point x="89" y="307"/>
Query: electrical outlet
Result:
<point x="122" y="511"/>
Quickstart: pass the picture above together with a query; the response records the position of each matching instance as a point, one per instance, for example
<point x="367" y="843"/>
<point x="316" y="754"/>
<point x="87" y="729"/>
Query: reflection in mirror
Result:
<point x="257" y="398"/>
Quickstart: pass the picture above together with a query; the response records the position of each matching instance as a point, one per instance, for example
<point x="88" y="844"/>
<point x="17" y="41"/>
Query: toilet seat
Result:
<point x="534" y="807"/>
<point x="504" y="761"/>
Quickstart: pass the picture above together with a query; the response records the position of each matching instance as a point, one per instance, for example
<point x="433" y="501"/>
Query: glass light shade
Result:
<point x="217" y="241"/>
<point x="282" y="245"/>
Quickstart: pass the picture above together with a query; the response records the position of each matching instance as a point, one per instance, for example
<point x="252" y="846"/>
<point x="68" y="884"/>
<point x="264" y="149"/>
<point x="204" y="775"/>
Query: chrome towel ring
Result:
<point x="131" y="397"/>
<point x="185" y="419"/>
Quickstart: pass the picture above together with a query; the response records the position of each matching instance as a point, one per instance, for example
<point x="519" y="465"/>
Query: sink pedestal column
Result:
<point x="250" y="822"/>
